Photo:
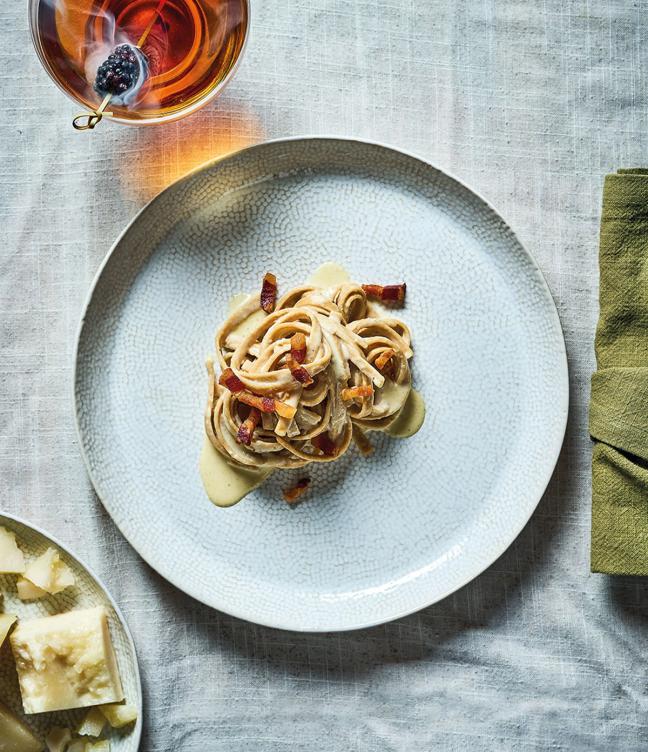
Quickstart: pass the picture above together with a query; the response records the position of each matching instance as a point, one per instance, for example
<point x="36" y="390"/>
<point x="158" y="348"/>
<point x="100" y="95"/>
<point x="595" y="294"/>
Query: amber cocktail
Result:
<point x="157" y="59"/>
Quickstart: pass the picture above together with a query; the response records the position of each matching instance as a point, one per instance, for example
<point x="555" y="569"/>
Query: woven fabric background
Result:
<point x="530" y="103"/>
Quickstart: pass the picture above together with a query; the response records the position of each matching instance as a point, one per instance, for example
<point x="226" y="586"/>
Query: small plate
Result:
<point x="87" y="593"/>
<point x="377" y="538"/>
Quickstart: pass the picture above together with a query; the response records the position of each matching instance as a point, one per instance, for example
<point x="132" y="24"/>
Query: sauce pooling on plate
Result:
<point x="224" y="483"/>
<point x="301" y="380"/>
<point x="410" y="419"/>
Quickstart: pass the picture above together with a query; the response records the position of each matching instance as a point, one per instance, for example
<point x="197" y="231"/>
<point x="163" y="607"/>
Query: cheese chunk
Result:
<point x="27" y="591"/>
<point x="57" y="739"/>
<point x="6" y="622"/>
<point x="119" y="715"/>
<point x="66" y="661"/>
<point x="14" y="735"/>
<point x="102" y="746"/>
<point x="50" y="573"/>
<point x="12" y="560"/>
<point x="93" y="724"/>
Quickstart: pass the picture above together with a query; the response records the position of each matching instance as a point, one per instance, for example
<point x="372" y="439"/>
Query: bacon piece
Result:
<point x="269" y="293"/>
<point x="324" y="443"/>
<point x="356" y="392"/>
<point x="230" y="380"/>
<point x="383" y="359"/>
<point x="394" y="293"/>
<point x="386" y="293"/>
<point x="373" y="291"/>
<point x="267" y="404"/>
<point x="246" y="429"/>
<point x="298" y="347"/>
<point x="291" y="495"/>
<point x="299" y="373"/>
<point x="362" y="442"/>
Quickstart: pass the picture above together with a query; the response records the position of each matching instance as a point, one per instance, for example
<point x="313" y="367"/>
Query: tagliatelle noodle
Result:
<point x="346" y="337"/>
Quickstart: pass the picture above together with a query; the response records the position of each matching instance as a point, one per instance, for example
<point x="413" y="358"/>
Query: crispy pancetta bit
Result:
<point x="299" y="373"/>
<point x="269" y="293"/>
<point x="356" y="392"/>
<point x="383" y="359"/>
<point x="324" y="443"/>
<point x="291" y="495"/>
<point x="296" y="357"/>
<point x="267" y="404"/>
<point x="298" y="347"/>
<point x="230" y="380"/>
<point x="362" y="442"/>
<point x="247" y="427"/>
<point x="386" y="293"/>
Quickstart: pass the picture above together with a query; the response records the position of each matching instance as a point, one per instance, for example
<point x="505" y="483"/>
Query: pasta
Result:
<point x="305" y="375"/>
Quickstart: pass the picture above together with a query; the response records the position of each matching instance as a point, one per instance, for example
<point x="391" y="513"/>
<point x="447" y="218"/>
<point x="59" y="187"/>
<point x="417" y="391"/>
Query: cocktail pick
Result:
<point x="88" y="120"/>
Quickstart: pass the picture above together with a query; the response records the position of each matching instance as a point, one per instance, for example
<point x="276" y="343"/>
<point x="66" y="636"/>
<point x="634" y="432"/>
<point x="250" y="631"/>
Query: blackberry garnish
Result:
<point x="120" y="72"/>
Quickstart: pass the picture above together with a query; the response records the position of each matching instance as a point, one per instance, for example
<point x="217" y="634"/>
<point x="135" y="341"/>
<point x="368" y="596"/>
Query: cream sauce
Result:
<point x="391" y="396"/>
<point x="226" y="484"/>
<point x="410" y="418"/>
<point x="251" y="322"/>
<point x="329" y="275"/>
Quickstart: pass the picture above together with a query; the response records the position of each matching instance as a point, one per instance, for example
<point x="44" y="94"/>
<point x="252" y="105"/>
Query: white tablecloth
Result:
<point x="530" y="103"/>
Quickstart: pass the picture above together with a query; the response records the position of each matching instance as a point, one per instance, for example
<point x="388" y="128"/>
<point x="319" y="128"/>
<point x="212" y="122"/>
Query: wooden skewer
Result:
<point x="151" y="23"/>
<point x="86" y="121"/>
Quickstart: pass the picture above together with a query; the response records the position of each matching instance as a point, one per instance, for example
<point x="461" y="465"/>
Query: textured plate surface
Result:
<point x="87" y="593"/>
<point x="379" y="537"/>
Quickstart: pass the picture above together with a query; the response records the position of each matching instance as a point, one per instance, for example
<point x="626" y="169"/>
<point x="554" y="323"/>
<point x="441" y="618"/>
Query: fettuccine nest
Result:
<point x="322" y="367"/>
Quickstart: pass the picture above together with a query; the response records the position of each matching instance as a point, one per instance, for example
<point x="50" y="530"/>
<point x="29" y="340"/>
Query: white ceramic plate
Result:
<point x="378" y="538"/>
<point x="87" y="593"/>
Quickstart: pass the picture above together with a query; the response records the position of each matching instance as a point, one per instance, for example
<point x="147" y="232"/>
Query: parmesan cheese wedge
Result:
<point x="12" y="560"/>
<point x="66" y="661"/>
<point x="14" y="735"/>
<point x="6" y="622"/>
<point x="50" y="573"/>
<point x="119" y="715"/>
<point x="93" y="724"/>
<point x="27" y="591"/>
<point x="57" y="739"/>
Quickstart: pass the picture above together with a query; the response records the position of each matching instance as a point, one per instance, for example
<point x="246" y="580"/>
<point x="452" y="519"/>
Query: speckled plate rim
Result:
<point x="154" y="560"/>
<point x="136" y="733"/>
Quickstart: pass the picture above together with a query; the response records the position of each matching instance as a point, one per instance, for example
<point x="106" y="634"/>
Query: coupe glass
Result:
<point x="181" y="52"/>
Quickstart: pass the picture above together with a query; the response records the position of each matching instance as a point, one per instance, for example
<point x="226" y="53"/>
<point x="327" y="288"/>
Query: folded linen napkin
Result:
<point x="619" y="401"/>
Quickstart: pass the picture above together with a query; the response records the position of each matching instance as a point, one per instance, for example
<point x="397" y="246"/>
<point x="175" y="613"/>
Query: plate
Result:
<point x="88" y="592"/>
<point x="377" y="538"/>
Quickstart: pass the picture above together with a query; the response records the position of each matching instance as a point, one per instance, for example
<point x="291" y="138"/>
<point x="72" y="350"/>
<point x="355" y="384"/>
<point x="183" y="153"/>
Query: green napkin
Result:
<point x="619" y="403"/>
